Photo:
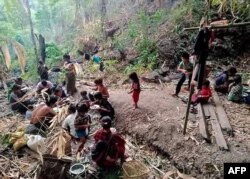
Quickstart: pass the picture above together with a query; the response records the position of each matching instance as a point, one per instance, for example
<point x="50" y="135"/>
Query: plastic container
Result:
<point x="135" y="170"/>
<point x="77" y="169"/>
<point x="246" y="98"/>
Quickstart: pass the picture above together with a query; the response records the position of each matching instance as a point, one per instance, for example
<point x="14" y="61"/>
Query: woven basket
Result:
<point x="135" y="170"/>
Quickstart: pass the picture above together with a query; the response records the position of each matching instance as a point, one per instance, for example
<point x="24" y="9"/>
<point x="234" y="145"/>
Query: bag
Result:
<point x="21" y="142"/>
<point x="36" y="143"/>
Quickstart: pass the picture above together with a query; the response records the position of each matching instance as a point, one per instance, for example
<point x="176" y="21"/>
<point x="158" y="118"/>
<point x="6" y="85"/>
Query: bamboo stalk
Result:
<point x="219" y="26"/>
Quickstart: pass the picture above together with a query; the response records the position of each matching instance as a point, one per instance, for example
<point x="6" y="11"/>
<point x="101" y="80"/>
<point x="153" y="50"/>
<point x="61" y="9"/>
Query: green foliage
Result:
<point x="188" y="14"/>
<point x="139" y="34"/>
<point x="53" y="54"/>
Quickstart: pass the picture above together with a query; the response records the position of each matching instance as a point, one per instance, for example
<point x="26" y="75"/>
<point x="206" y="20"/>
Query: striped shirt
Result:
<point x="235" y="93"/>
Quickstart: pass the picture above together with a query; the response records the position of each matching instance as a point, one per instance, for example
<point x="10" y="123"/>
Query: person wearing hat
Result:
<point x="109" y="146"/>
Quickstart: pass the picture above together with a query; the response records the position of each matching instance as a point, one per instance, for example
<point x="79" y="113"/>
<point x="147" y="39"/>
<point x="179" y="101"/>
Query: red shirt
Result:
<point x="205" y="93"/>
<point x="136" y="87"/>
<point x="117" y="143"/>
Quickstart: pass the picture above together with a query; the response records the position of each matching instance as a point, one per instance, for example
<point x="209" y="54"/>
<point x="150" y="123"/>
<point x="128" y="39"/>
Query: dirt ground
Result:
<point x="157" y="127"/>
<point x="158" y="123"/>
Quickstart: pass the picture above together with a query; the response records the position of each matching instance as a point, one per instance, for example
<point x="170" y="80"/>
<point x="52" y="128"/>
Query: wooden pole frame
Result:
<point x="219" y="26"/>
<point x="191" y="92"/>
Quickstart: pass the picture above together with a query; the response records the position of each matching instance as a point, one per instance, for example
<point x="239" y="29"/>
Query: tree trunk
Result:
<point x="31" y="28"/>
<point x="103" y="15"/>
<point x="42" y="48"/>
<point x="160" y="3"/>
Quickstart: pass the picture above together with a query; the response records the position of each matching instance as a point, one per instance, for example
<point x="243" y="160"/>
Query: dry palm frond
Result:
<point x="57" y="143"/>
<point x="57" y="120"/>
<point x="21" y="54"/>
<point x="78" y="68"/>
<point x="7" y="56"/>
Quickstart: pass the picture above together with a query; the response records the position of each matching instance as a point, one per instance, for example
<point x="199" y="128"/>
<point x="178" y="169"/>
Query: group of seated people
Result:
<point x="109" y="146"/>
<point x="228" y="82"/>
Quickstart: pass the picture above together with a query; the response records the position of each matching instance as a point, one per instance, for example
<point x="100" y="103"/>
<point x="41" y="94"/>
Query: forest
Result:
<point x="117" y="26"/>
<point x="108" y="44"/>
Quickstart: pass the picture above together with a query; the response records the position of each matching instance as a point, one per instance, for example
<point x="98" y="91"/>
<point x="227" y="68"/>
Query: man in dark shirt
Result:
<point x="106" y="109"/>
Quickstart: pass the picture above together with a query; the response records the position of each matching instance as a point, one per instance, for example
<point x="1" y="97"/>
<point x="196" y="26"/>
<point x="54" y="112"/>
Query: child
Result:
<point x="235" y="90"/>
<point x="101" y="88"/>
<point x="203" y="95"/>
<point x="82" y="124"/>
<point x="28" y="114"/>
<point x="85" y="98"/>
<point x="186" y="68"/>
<point x="135" y="89"/>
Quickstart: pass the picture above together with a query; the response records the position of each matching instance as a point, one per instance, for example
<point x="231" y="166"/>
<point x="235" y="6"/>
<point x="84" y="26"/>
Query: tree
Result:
<point x="103" y="15"/>
<point x="27" y="4"/>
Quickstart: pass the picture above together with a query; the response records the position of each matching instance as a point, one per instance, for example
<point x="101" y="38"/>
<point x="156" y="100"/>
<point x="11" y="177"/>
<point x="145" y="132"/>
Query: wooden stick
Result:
<point x="219" y="26"/>
<point x="191" y="91"/>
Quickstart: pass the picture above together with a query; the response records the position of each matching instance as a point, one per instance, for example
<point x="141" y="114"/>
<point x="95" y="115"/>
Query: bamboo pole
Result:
<point x="219" y="26"/>
<point x="191" y="91"/>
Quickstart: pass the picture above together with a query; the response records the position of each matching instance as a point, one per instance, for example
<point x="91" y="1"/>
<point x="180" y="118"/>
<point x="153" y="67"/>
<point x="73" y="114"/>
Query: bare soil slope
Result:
<point x="158" y="122"/>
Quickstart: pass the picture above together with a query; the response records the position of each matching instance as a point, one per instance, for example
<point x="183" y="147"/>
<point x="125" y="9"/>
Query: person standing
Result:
<point x="70" y="77"/>
<point x="186" y="69"/>
<point x="135" y="89"/>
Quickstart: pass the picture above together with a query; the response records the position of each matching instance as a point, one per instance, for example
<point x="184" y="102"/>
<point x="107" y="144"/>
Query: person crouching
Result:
<point x="109" y="147"/>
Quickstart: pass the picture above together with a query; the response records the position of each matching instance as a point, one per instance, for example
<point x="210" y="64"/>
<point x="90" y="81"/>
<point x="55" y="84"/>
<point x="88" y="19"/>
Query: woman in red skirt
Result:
<point x="136" y="89"/>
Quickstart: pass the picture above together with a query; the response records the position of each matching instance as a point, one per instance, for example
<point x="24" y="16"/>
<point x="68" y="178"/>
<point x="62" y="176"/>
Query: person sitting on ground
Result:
<point x="42" y="70"/>
<point x="85" y="97"/>
<point x="17" y="81"/>
<point x="15" y="100"/>
<point x="59" y="92"/>
<point x="106" y="109"/>
<point x="203" y="95"/>
<point x="28" y="114"/>
<point x="101" y="88"/>
<point x="135" y="89"/>
<point x="223" y="80"/>
<point x="82" y="124"/>
<point x="186" y="69"/>
<point x="236" y="90"/>
<point x="44" y="85"/>
<point x="109" y="147"/>
<point x="43" y="113"/>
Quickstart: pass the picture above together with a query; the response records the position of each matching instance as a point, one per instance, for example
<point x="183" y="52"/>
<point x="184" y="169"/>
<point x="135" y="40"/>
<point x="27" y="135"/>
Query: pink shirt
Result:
<point x="40" y="86"/>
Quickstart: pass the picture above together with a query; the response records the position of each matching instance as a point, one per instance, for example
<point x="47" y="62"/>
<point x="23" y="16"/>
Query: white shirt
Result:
<point x="69" y="123"/>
